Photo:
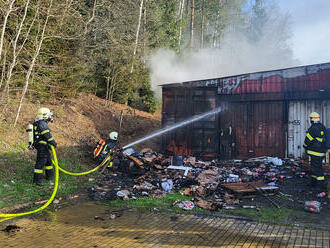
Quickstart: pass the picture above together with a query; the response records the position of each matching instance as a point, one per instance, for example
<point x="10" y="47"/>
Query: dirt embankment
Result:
<point x="80" y="122"/>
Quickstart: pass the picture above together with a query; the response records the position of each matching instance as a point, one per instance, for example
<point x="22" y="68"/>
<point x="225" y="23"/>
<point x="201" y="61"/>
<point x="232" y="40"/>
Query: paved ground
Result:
<point x="89" y="225"/>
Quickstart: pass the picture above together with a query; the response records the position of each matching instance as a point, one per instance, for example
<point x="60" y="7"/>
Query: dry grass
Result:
<point x="79" y="122"/>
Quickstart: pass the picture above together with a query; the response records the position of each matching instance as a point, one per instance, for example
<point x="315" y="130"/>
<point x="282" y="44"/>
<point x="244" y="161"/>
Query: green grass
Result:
<point x="151" y="203"/>
<point x="16" y="175"/>
<point x="166" y="204"/>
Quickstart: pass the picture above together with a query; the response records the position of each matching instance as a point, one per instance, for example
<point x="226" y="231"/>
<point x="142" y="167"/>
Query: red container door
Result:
<point x="252" y="129"/>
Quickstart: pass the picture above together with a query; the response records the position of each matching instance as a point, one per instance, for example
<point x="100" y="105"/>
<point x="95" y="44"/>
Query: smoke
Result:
<point x="265" y="46"/>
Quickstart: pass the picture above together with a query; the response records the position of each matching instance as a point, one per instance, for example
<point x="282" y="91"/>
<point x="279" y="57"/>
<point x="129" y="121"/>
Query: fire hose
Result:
<point x="4" y="217"/>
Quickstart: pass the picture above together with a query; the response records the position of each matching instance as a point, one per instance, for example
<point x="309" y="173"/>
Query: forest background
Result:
<point x="120" y="50"/>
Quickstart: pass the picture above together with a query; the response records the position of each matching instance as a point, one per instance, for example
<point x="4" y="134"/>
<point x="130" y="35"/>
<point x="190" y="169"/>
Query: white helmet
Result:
<point x="113" y="135"/>
<point x="314" y="117"/>
<point x="44" y="114"/>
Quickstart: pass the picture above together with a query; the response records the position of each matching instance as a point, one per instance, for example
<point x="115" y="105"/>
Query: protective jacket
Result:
<point x="42" y="135"/>
<point x="42" y="140"/>
<point x="315" y="140"/>
<point x="103" y="148"/>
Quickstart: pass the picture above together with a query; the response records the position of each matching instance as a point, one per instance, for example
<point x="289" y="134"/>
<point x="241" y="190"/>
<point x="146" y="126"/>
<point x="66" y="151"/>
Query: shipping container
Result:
<point x="263" y="113"/>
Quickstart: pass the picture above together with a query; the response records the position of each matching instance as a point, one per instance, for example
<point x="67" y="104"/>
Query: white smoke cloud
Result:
<point x="237" y="55"/>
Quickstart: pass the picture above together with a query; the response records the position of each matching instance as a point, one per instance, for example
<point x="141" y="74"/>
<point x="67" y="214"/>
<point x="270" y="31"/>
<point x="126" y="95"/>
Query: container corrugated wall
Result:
<point x="264" y="113"/>
<point x="299" y="122"/>
<point x="199" y="138"/>
<point x="252" y="129"/>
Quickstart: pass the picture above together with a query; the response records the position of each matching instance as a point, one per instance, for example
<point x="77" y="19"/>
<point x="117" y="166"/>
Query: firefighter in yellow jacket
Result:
<point x="315" y="147"/>
<point x="42" y="140"/>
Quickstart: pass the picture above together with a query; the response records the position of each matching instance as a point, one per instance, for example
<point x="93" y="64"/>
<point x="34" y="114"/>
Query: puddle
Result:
<point x="92" y="225"/>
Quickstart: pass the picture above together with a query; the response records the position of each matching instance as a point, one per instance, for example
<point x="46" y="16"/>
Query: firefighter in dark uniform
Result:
<point x="42" y="140"/>
<point x="105" y="147"/>
<point x="315" y="147"/>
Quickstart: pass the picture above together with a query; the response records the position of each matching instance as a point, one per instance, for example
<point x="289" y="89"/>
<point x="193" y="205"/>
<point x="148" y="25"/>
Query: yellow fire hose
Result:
<point x="57" y="169"/>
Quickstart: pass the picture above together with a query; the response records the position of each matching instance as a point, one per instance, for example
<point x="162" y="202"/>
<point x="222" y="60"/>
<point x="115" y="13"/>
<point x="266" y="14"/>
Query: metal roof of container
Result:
<point x="301" y="78"/>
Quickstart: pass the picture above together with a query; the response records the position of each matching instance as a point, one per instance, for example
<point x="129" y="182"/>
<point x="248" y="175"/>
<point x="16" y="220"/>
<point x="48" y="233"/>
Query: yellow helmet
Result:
<point x="314" y="117"/>
<point x="44" y="114"/>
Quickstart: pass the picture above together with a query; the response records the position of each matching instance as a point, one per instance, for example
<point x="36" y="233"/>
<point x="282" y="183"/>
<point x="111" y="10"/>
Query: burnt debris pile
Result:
<point x="253" y="183"/>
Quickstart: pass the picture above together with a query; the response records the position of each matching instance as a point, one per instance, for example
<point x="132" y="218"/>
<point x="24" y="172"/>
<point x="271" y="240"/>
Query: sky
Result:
<point x="310" y="28"/>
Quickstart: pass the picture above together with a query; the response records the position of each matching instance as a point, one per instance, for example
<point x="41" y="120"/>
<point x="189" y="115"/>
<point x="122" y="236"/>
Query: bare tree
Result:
<point x="145" y="33"/>
<point x="192" y="22"/>
<point x="4" y="25"/>
<point x="15" y="50"/>
<point x="33" y="61"/>
<point x="182" y="3"/>
<point x="202" y="25"/>
<point x="3" y="68"/>
<point x="137" y="35"/>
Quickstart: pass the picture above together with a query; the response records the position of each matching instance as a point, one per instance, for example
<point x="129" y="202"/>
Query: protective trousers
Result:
<point x="44" y="161"/>
<point x="317" y="174"/>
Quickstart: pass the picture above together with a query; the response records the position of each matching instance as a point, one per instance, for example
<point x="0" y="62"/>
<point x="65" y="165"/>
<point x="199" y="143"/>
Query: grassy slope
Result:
<point x="79" y="123"/>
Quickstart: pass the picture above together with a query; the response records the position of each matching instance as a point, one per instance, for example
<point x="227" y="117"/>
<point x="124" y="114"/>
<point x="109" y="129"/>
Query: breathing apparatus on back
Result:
<point x="29" y="130"/>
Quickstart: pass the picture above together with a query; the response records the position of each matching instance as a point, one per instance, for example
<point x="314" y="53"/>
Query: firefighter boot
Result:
<point x="49" y="172"/>
<point x="37" y="177"/>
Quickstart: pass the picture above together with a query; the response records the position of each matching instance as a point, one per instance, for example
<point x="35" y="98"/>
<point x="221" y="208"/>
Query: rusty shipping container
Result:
<point x="263" y="113"/>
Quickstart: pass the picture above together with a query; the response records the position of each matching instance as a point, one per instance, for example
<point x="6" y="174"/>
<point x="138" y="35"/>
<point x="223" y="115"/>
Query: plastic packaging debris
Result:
<point x="322" y="194"/>
<point x="274" y="161"/>
<point x="186" y="169"/>
<point x="167" y="185"/>
<point x="313" y="206"/>
<point x="145" y="186"/>
<point x="123" y="194"/>
<point x="186" y="205"/>
<point x="232" y="178"/>
<point x="129" y="151"/>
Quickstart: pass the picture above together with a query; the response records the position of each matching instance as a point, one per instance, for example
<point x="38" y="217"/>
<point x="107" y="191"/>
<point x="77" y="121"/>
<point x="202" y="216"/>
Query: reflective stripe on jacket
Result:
<point x="315" y="140"/>
<point x="42" y="134"/>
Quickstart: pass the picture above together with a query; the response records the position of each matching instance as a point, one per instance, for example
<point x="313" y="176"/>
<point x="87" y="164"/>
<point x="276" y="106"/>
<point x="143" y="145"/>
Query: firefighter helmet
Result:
<point x="113" y="135"/>
<point x="44" y="114"/>
<point x="314" y="117"/>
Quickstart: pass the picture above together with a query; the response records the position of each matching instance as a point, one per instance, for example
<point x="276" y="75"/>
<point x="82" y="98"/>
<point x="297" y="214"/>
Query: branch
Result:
<point x="91" y="19"/>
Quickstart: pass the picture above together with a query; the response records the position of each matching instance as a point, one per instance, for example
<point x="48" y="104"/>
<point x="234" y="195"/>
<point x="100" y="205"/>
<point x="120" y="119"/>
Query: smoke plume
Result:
<point x="238" y="52"/>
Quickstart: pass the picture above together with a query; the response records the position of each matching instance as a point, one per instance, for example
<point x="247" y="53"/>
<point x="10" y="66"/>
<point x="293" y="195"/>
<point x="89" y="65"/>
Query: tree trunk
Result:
<point x="4" y="25"/>
<point x="90" y="19"/>
<point x="192" y="20"/>
<point x="202" y="25"/>
<point x="145" y="33"/>
<point x="15" y="52"/>
<point x="182" y="2"/>
<point x="28" y="74"/>
<point x="137" y="35"/>
<point x="108" y="91"/>
<point x="3" y="69"/>
<point x="113" y="87"/>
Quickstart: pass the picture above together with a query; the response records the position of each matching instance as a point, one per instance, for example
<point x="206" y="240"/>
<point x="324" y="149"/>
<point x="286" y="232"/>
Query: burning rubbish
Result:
<point x="212" y="185"/>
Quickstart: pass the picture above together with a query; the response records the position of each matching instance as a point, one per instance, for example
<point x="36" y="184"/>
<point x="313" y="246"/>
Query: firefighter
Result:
<point x="104" y="147"/>
<point x="42" y="140"/>
<point x="315" y="147"/>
